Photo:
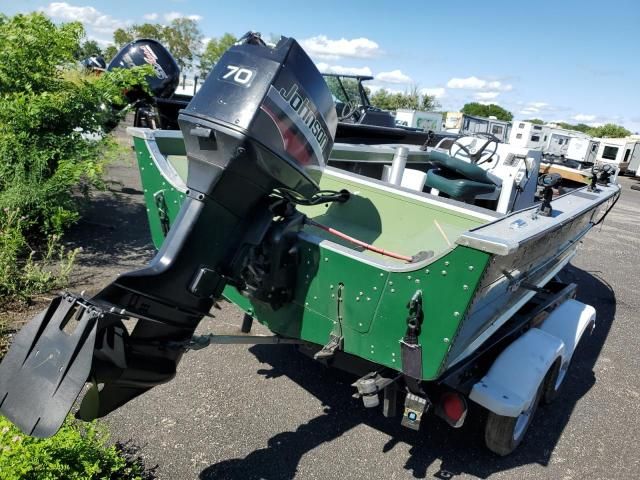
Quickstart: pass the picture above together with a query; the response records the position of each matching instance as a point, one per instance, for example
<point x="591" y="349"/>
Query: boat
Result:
<point x="433" y="279"/>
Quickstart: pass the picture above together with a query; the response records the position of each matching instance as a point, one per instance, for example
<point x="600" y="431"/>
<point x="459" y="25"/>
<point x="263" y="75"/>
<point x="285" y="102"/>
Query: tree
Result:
<point x="491" y="110"/>
<point x="87" y="49"/>
<point x="184" y="40"/>
<point x="154" y="31"/>
<point x="411" y="100"/>
<point x="121" y="37"/>
<point x="110" y="52"/>
<point x="46" y="104"/>
<point x="214" y="50"/>
<point x="535" y="121"/>
<point x="610" y="130"/>
<point x="182" y="37"/>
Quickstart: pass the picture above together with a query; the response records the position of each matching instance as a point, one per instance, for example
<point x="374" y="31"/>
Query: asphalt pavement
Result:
<point x="267" y="412"/>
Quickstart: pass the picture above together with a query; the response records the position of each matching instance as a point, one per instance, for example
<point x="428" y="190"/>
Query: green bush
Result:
<point x="52" y="144"/>
<point x="77" y="451"/>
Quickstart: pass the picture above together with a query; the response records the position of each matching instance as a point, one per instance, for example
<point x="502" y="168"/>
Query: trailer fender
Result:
<point x="511" y="383"/>
<point x="569" y="322"/>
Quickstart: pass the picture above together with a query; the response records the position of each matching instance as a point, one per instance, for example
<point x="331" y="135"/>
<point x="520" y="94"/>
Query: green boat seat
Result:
<point x="458" y="188"/>
<point x="459" y="179"/>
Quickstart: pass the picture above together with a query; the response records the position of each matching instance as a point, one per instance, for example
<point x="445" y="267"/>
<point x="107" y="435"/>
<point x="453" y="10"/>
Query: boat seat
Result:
<point x="460" y="179"/>
<point x="458" y="188"/>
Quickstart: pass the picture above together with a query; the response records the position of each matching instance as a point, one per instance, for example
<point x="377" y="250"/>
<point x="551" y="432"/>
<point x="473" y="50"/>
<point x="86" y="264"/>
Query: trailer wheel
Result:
<point x="502" y="434"/>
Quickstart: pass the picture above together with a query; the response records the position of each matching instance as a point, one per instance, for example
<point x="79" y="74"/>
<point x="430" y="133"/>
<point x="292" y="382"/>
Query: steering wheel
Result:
<point x="466" y="148"/>
<point x="347" y="111"/>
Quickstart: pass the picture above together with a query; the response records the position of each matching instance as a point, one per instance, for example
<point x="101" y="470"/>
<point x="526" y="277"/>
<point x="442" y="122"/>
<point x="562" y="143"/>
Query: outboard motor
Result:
<point x="259" y="131"/>
<point x="94" y="63"/>
<point x="162" y="85"/>
<point x="146" y="51"/>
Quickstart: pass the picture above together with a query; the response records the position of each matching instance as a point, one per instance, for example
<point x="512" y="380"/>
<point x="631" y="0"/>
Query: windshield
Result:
<point x="344" y="90"/>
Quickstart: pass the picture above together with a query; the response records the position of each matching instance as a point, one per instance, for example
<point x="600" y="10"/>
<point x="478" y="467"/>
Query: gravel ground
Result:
<point x="266" y="412"/>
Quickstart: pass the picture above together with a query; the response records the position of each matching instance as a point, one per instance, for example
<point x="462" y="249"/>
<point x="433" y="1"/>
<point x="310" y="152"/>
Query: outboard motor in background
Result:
<point x="162" y="84"/>
<point x="263" y="122"/>
<point x="94" y="63"/>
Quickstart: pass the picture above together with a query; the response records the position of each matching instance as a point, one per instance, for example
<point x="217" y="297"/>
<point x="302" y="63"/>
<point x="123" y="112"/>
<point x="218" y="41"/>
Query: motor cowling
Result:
<point x="146" y="51"/>
<point x="271" y="103"/>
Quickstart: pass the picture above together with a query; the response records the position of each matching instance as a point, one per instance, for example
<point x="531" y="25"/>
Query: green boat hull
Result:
<point x="362" y="297"/>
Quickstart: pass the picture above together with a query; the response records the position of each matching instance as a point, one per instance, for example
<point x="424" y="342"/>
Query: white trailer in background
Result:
<point x="529" y="135"/>
<point x="419" y="119"/>
<point x="453" y="121"/>
<point x="582" y="149"/>
<point x="457" y="122"/>
<point x="619" y="152"/>
<point x="634" y="163"/>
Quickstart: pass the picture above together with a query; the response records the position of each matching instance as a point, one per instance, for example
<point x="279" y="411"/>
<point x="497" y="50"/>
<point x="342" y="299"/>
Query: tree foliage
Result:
<point x="214" y="50"/>
<point x="535" y="121"/>
<point x="182" y="37"/>
<point x="46" y="104"/>
<point x="610" y="130"/>
<point x="481" y="110"/>
<point x="412" y="100"/>
<point x="87" y="49"/>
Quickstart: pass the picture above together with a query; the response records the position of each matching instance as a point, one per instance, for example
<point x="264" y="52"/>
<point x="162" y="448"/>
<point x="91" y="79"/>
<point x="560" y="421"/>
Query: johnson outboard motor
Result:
<point x="257" y="134"/>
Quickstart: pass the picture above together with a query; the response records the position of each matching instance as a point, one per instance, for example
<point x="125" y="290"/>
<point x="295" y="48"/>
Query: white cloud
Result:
<point x="486" y="95"/>
<point x="151" y="16"/>
<point x="374" y="87"/>
<point x="581" y="117"/>
<point x="325" y="48"/>
<point x="89" y="16"/>
<point x="339" y="69"/>
<point x="475" y="83"/>
<point x="538" y="105"/>
<point x="534" y="108"/>
<point x="437" y="92"/>
<point x="171" y="16"/>
<point x="394" y="76"/>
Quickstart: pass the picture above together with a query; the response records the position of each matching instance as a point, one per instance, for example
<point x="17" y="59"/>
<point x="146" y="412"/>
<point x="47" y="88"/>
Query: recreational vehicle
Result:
<point x="529" y="135"/>
<point x="582" y="149"/>
<point x="419" y="119"/>
<point x="620" y="152"/>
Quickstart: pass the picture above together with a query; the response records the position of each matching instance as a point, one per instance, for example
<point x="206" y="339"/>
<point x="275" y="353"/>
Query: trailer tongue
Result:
<point x="263" y="122"/>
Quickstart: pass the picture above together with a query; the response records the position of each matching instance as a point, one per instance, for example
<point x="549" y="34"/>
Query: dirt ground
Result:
<point x="238" y="412"/>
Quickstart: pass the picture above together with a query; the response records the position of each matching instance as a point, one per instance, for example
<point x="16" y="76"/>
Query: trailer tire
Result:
<point x="502" y="434"/>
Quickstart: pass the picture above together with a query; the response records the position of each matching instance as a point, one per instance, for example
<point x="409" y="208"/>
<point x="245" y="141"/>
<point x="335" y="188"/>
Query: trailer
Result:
<point x="619" y="152"/>
<point x="419" y="119"/>
<point x="529" y="135"/>
<point x="582" y="149"/>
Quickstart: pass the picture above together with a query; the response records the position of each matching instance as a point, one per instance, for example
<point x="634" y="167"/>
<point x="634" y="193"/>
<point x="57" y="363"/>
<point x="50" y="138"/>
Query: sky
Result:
<point x="560" y="60"/>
